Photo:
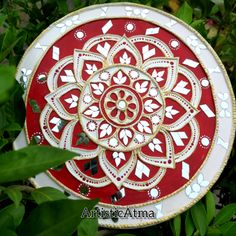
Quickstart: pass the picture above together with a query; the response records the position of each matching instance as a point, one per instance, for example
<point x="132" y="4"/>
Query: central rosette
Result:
<point x="121" y="108"/>
<point x="121" y="105"/>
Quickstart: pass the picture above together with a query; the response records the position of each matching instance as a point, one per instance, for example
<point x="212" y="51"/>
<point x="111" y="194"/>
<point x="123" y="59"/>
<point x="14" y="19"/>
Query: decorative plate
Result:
<point x="143" y="100"/>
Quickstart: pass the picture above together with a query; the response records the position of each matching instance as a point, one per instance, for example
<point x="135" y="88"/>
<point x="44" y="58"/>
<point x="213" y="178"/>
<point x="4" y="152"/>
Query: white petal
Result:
<point x="193" y="195"/>
<point x="142" y="90"/>
<point x="94" y="67"/>
<point x="97" y="92"/>
<point x="69" y="100"/>
<point x="200" y="178"/>
<point x="119" y="75"/>
<point x="122" y="133"/>
<point x="148" y="130"/>
<point x="95" y="86"/>
<point x="169" y="108"/>
<point x="89" y="67"/>
<point x="101" y="87"/>
<point x="148" y="102"/>
<point x="115" y="155"/>
<point x="128" y="133"/>
<point x="117" y="161"/>
<point x="140" y="127"/>
<point x="93" y="108"/>
<point x="122" y="61"/>
<point x="144" y="84"/>
<point x="73" y="104"/>
<point x="123" y="79"/>
<point x="174" y="112"/>
<point x="148" y="109"/>
<point x="109" y="129"/>
<point x="125" y="140"/>
<point x="156" y="141"/>
<point x="168" y="115"/>
<point x="122" y="155"/>
<point x="95" y="114"/>
<point x="88" y="112"/>
<point x="125" y="55"/>
<point x="128" y="60"/>
<point x="137" y="86"/>
<point x="160" y="73"/>
<point x="104" y="126"/>
<point x="188" y="190"/>
<point x="103" y="133"/>
<point x="154" y="106"/>
<point x="144" y="123"/>
<point x="151" y="146"/>
<point x="158" y="148"/>
<point x="74" y="97"/>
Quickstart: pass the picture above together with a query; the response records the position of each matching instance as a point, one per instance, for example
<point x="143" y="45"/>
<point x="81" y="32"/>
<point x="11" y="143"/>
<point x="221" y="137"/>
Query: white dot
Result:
<point x="121" y="104"/>
<point x="154" y="193"/>
<point x="104" y="75"/>
<point x="224" y="105"/>
<point x="153" y="92"/>
<point x="155" y="119"/>
<point x="174" y="44"/>
<point x="80" y="34"/>
<point x="140" y="138"/>
<point x="134" y="74"/>
<point x="196" y="188"/>
<point x="130" y="26"/>
<point x="205" y="83"/>
<point x="92" y="126"/>
<point x="87" y="99"/>
<point x="205" y="141"/>
<point x="113" y="142"/>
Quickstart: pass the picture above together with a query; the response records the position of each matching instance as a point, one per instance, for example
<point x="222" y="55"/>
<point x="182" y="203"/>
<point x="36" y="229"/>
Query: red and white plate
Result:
<point x="143" y="100"/>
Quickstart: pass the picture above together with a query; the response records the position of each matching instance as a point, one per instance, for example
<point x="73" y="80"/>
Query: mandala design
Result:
<point x="134" y="102"/>
<point x="135" y="106"/>
<point x="132" y="99"/>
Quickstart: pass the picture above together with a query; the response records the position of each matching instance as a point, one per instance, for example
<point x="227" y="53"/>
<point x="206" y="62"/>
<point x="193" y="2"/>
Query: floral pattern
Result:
<point x="128" y="108"/>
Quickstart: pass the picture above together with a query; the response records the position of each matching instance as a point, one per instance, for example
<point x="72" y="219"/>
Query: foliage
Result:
<point x="23" y="208"/>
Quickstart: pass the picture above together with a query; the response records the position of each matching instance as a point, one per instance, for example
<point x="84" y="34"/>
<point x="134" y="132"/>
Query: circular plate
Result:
<point x="143" y="100"/>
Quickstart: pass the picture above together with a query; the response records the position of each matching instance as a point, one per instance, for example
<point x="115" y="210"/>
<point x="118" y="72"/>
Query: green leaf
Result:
<point x="10" y="40"/>
<point x="59" y="218"/>
<point x="3" y="142"/>
<point x="210" y="207"/>
<point x="29" y="161"/>
<point x="87" y="227"/>
<point x="125" y="235"/>
<point x="185" y="13"/>
<point x="189" y="226"/>
<point x="9" y="111"/>
<point x="7" y="232"/>
<point x="46" y="194"/>
<point x="2" y="18"/>
<point x="211" y="231"/>
<point x="228" y="229"/>
<point x="7" y="78"/>
<point x="176" y="225"/>
<point x="225" y="214"/>
<point x="14" y="194"/>
<point x="11" y="216"/>
<point x="199" y="217"/>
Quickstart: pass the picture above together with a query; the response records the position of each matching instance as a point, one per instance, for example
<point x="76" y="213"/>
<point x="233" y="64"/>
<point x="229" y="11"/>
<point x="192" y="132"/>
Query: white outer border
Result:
<point x="212" y="168"/>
